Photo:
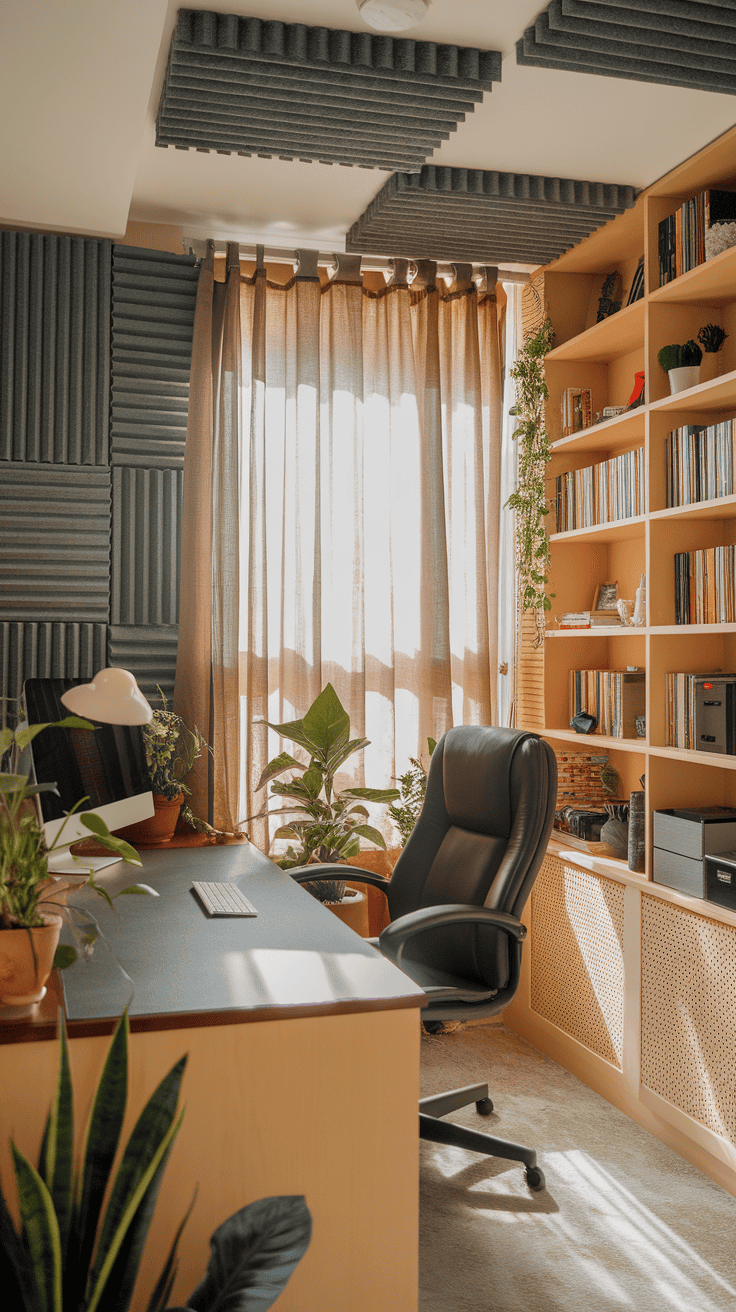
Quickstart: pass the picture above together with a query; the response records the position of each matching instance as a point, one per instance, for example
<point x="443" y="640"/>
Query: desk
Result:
<point x="303" y="1073"/>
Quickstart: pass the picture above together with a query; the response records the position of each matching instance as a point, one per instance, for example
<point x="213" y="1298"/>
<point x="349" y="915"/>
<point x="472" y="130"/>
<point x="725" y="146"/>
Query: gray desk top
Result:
<point x="182" y="967"/>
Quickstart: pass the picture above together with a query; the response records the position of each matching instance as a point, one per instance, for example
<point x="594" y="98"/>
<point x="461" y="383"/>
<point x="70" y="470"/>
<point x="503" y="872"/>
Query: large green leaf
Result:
<point x="164" y="1284"/>
<point x="6" y="740"/>
<point x="16" y="1276"/>
<point x="278" y="766"/>
<point x="25" y="735"/>
<point x="40" y="1233"/>
<point x="56" y="1162"/>
<point x="142" y="1154"/>
<point x="119" y="1285"/>
<point x="293" y="730"/>
<point x="106" y="1261"/>
<point x="345" y="750"/>
<point x="97" y="826"/>
<point x="253" y="1255"/>
<point x="372" y="794"/>
<point x="312" y="782"/>
<point x="326" y="723"/>
<point x="374" y="835"/>
<point x="102" y="1135"/>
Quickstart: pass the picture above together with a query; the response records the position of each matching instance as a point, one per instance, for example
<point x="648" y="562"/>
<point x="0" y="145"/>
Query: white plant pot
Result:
<point x="687" y="376"/>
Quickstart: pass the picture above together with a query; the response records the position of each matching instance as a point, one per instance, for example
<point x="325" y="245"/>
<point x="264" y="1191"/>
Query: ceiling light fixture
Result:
<point x="392" y="15"/>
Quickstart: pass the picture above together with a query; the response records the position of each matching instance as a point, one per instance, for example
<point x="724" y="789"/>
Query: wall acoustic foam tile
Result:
<point x="478" y="214"/>
<point x="153" y="300"/>
<point x="665" y="41"/>
<point x="55" y="543"/>
<point x="251" y="86"/>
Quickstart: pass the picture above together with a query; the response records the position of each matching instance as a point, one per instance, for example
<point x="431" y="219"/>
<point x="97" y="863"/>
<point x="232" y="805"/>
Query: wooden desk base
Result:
<point x="323" y="1106"/>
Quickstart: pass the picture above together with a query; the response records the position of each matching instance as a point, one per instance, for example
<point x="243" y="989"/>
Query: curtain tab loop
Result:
<point x="426" y="275"/>
<point x="233" y="257"/>
<point x="209" y="259"/>
<point x="348" y="268"/>
<point x="307" y="266"/>
<point x="399" y="273"/>
<point x="260" y="259"/>
<point x="490" y="278"/>
<point x="463" y="279"/>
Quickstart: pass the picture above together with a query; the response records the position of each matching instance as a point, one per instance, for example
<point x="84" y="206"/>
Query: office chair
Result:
<point x="457" y="892"/>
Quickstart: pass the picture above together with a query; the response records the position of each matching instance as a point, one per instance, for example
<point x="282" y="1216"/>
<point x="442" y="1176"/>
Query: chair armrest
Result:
<point x="334" y="870"/>
<point x="394" y="938"/>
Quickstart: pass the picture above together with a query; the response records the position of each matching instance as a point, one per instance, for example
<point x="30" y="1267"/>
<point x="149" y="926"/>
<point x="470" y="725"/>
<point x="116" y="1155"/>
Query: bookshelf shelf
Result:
<point x="720" y="508"/>
<point x="712" y="283"/>
<point x="597" y="741"/>
<point x="600" y="631"/>
<point x="617" y="336"/>
<point x="612" y="531"/>
<point x="711" y="759"/>
<point x="707" y="398"/>
<point x="611" y="435"/>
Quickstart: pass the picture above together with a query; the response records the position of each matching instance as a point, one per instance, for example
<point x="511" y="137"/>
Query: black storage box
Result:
<point x="720" y="879"/>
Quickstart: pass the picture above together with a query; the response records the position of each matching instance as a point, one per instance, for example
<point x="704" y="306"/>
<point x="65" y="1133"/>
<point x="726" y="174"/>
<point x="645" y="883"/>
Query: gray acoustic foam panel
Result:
<point x="146" y="545"/>
<point x="153" y="299"/>
<point x="54" y="543"/>
<point x="251" y="86"/>
<point x="477" y="214"/>
<point x="683" y="43"/>
<point x="54" y="348"/>
<point x="47" y="651"/>
<point x="149" y="652"/>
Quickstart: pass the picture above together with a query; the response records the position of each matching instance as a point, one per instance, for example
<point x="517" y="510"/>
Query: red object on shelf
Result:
<point x="637" y="396"/>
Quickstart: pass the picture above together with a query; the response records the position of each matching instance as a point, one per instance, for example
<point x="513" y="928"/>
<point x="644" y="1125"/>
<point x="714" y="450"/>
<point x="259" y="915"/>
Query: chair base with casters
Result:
<point x="481" y="836"/>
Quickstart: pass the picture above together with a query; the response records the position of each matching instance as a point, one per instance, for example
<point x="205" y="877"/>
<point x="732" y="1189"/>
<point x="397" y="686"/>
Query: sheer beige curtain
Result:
<point x="206" y="691"/>
<point x="366" y="512"/>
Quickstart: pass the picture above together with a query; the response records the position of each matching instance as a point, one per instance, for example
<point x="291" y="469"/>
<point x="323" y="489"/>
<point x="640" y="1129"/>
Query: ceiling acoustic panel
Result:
<point x="480" y="215"/>
<point x="248" y="86"/>
<point x="681" y="43"/>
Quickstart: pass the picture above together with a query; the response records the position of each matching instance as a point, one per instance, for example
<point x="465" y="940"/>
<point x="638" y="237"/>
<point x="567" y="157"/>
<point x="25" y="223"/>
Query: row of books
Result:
<point x="705" y="586"/>
<point x="682" y="234"/>
<point x="589" y="619"/>
<point x="699" y="462"/>
<point x="614" y="697"/>
<point x="597" y="494"/>
<point x="576" y="410"/>
<point x="681" y="710"/>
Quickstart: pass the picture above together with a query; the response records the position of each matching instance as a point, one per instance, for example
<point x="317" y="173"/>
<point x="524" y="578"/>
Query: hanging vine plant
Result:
<point x="528" y="501"/>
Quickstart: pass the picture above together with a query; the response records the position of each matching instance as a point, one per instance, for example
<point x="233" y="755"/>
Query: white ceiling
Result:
<point x="80" y="82"/>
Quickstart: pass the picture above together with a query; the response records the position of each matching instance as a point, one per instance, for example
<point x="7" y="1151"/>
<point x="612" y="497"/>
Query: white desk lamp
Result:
<point x="113" y="697"/>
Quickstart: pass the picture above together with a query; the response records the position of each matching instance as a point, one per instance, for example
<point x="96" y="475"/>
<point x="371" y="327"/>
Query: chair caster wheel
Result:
<point x="535" y="1178"/>
<point x="484" y="1106"/>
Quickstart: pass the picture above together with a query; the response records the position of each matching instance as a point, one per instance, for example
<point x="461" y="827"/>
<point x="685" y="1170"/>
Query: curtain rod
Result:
<point x="327" y="259"/>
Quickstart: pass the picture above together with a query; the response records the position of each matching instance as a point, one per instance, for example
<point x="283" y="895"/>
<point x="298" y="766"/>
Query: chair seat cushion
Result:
<point x="443" y="987"/>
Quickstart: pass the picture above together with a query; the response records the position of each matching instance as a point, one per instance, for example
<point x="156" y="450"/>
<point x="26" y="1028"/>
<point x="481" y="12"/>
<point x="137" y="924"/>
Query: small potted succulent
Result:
<point x="326" y="824"/>
<point x="711" y="338"/>
<point x="681" y="364"/>
<point x="30" y="916"/>
<point x="171" y="750"/>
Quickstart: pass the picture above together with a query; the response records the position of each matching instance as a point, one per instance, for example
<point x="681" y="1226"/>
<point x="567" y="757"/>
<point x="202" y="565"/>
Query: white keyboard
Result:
<point x="223" y="899"/>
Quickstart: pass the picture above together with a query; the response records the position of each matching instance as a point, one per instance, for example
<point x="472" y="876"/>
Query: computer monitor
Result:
<point x="108" y="766"/>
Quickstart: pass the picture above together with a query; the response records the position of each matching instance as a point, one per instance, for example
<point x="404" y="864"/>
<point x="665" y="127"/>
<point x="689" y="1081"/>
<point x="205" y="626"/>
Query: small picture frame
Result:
<point x="606" y="596"/>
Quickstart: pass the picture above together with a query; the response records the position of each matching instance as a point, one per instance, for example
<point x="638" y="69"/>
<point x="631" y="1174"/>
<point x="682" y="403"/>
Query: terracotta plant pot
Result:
<point x="158" y="829"/>
<point x="23" y="978"/>
<point x="353" y="911"/>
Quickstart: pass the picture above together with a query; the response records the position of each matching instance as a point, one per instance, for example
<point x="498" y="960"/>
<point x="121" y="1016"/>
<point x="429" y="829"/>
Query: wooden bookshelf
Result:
<point x="626" y="981"/>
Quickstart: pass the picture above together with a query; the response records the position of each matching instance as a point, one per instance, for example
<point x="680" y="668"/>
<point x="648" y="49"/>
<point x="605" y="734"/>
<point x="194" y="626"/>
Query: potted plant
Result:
<point x="29" y="928"/>
<point x="681" y="364"/>
<point x="412" y="789"/>
<point x="326" y="824"/>
<point x="711" y="337"/>
<point x="171" y="750"/>
<point x="69" y="1256"/>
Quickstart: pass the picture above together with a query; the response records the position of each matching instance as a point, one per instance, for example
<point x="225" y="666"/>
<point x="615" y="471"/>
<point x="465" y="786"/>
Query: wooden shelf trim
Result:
<point x="711" y="283"/>
<point x="714" y="395"/>
<point x="608" y="532"/>
<point x="609" y="434"/>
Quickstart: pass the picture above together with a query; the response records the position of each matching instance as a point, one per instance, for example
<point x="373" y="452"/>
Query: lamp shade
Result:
<point x="113" y="697"/>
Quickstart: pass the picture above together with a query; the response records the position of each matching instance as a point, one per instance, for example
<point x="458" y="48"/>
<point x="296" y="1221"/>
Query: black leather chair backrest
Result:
<point x="479" y="840"/>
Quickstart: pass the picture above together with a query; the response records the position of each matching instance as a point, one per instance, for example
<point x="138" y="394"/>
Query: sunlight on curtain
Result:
<point x="369" y="515"/>
<point x="507" y="551"/>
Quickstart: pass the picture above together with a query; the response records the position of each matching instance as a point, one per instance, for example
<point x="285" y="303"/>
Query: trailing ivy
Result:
<point x="528" y="501"/>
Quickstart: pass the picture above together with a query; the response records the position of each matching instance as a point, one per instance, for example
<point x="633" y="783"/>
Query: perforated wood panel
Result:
<point x="577" y="972"/>
<point x="688" y="1013"/>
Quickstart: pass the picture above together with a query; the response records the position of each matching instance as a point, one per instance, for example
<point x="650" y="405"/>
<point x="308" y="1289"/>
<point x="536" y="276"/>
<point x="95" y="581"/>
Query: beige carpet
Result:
<point x="624" y="1223"/>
